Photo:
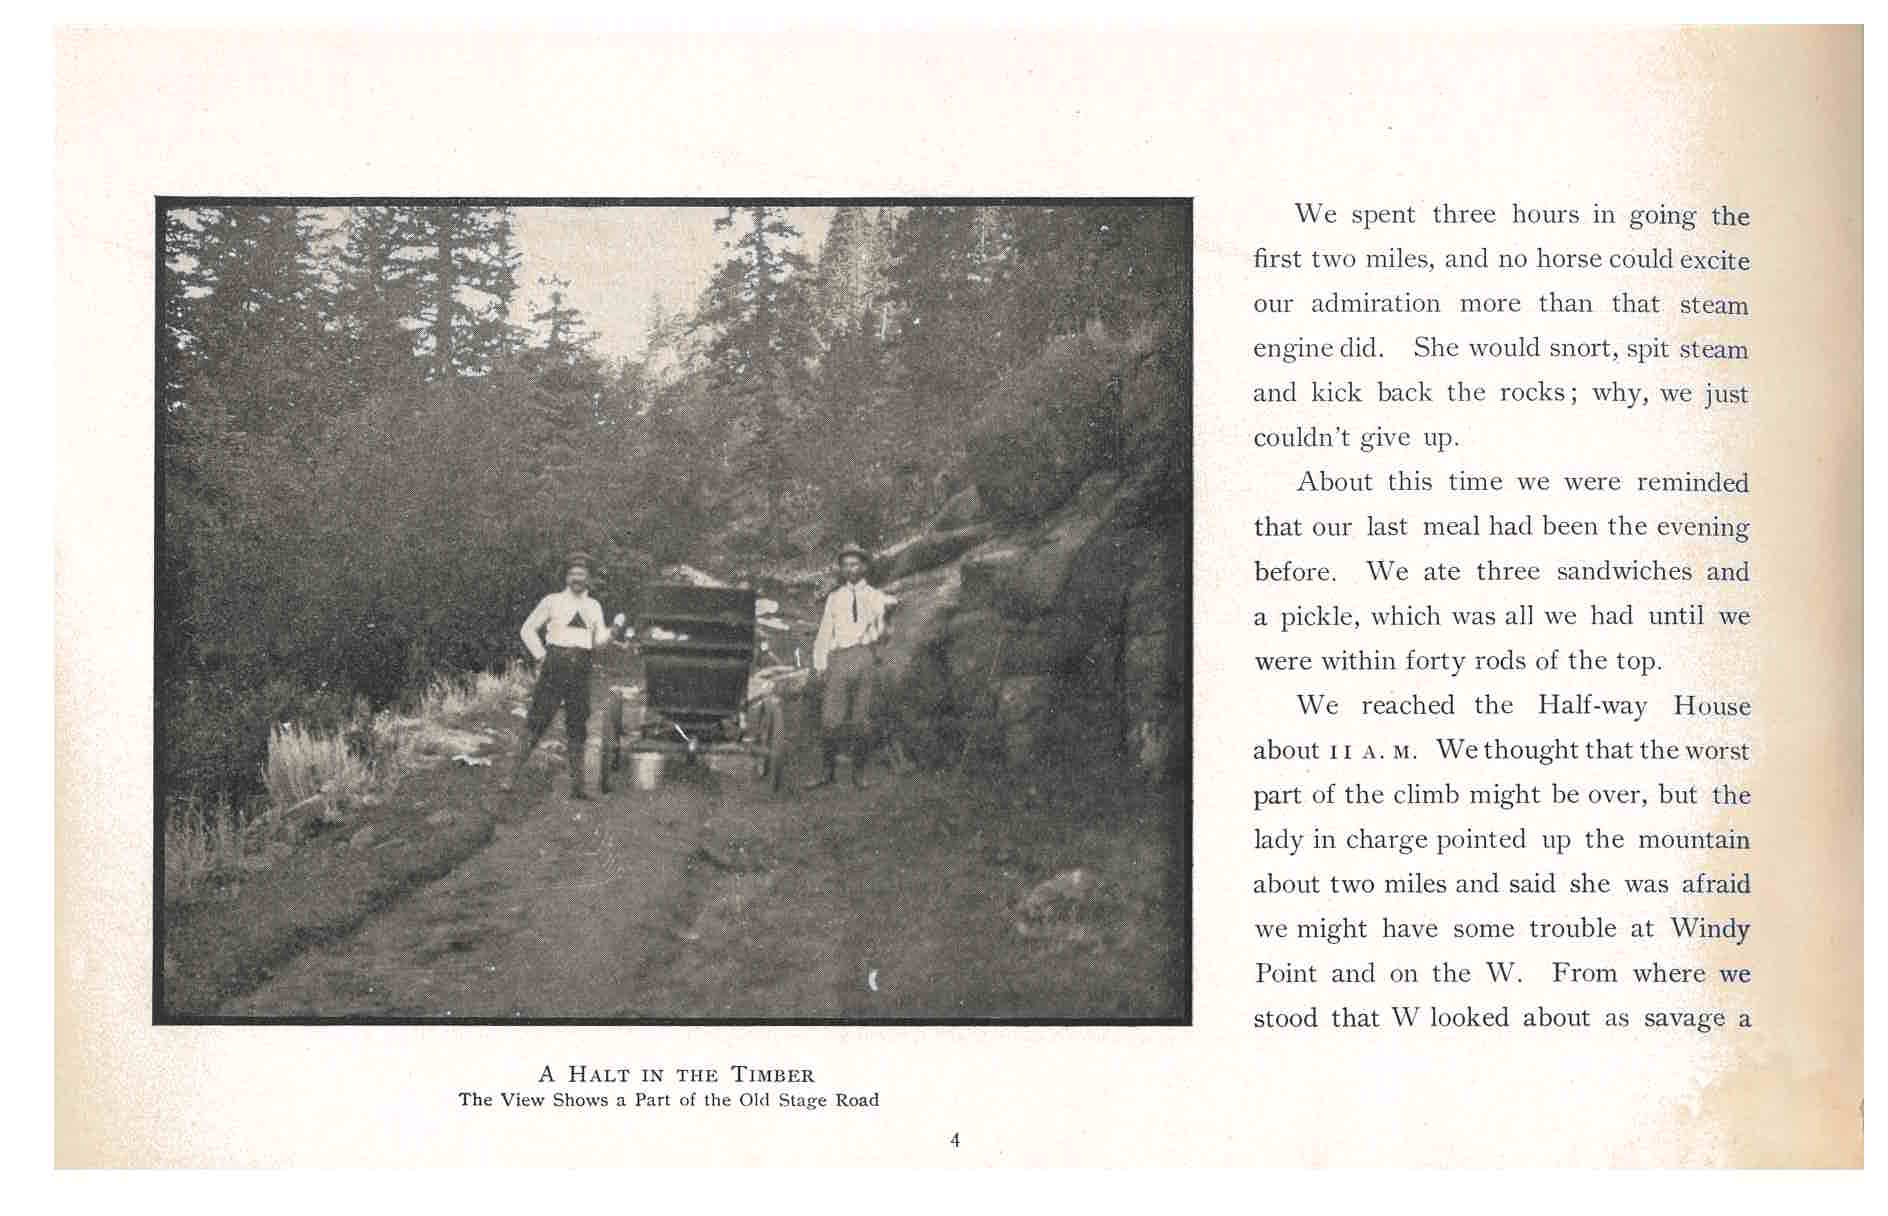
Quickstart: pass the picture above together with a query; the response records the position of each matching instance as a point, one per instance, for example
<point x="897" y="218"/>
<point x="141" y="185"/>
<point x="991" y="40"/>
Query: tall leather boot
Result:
<point x="526" y="746"/>
<point x="576" y="774"/>
<point x="829" y="759"/>
<point x="861" y="752"/>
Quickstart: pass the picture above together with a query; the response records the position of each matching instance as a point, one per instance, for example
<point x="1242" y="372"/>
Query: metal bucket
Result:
<point x="645" y="769"/>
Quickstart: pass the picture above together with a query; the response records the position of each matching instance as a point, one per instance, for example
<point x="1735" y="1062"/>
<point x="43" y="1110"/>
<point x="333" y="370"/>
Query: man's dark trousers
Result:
<point x="563" y="680"/>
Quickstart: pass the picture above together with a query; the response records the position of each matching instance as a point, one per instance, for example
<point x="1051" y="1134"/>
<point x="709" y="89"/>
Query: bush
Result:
<point x="302" y="764"/>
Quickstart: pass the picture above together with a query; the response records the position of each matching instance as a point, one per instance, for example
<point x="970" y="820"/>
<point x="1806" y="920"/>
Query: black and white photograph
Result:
<point x="673" y="611"/>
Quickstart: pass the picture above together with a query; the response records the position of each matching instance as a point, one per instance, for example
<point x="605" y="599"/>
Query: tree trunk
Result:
<point x="442" y="320"/>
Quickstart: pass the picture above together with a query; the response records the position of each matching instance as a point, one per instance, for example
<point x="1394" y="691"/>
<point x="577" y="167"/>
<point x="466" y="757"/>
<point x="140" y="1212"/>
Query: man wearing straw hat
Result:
<point x="845" y="657"/>
<point x="562" y="633"/>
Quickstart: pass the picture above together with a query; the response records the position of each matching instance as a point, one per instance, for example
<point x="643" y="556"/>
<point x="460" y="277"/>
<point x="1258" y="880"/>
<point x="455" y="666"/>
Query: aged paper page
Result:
<point x="1434" y="633"/>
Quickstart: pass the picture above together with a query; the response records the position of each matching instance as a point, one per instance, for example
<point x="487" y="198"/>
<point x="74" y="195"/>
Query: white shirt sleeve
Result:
<point x="540" y="616"/>
<point x="823" y="640"/>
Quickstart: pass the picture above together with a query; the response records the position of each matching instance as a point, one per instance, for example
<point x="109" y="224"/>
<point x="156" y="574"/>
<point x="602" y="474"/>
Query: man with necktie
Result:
<point x="562" y="633"/>
<point x="845" y="658"/>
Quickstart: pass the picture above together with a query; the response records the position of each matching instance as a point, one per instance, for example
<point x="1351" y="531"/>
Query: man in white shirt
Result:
<point x="845" y="657"/>
<point x="562" y="633"/>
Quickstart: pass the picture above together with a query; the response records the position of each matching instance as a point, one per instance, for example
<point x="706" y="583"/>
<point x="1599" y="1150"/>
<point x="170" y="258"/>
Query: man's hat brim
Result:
<point x="854" y="551"/>
<point x="579" y="558"/>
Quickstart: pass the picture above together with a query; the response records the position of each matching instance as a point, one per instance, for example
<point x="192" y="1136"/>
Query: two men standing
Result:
<point x="562" y="633"/>
<point x="567" y="627"/>
<point x="845" y="656"/>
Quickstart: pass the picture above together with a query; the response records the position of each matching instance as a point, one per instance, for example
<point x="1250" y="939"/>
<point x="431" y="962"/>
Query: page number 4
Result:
<point x="954" y="1140"/>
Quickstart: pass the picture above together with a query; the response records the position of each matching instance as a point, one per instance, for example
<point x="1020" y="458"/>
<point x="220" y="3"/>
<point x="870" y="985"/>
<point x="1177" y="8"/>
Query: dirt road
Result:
<point x="923" y="897"/>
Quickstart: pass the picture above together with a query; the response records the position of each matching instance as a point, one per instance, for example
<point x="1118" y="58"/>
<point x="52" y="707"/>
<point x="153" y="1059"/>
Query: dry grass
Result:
<point x="392" y="755"/>
<point x="199" y="839"/>
<point x="302" y="764"/>
<point x="369" y="756"/>
<point x="434" y="730"/>
<point x="202" y="840"/>
<point x="447" y="699"/>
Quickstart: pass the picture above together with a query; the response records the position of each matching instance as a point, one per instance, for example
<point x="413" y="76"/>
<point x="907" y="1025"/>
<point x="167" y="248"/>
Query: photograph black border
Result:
<point x="164" y="203"/>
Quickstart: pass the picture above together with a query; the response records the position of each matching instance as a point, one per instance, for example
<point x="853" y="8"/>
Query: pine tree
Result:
<point x="457" y="267"/>
<point x="376" y="303"/>
<point x="497" y="277"/>
<point x="853" y="261"/>
<point x="426" y="292"/>
<point x="857" y="477"/>
<point x="884" y="245"/>
<point x="179" y="350"/>
<point x="657" y="331"/>
<point x="567" y="336"/>
<point x="245" y="318"/>
<point x="757" y="317"/>
<point x="947" y="340"/>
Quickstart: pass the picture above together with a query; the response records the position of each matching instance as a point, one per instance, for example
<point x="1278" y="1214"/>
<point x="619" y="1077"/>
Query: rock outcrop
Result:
<point x="1044" y="614"/>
